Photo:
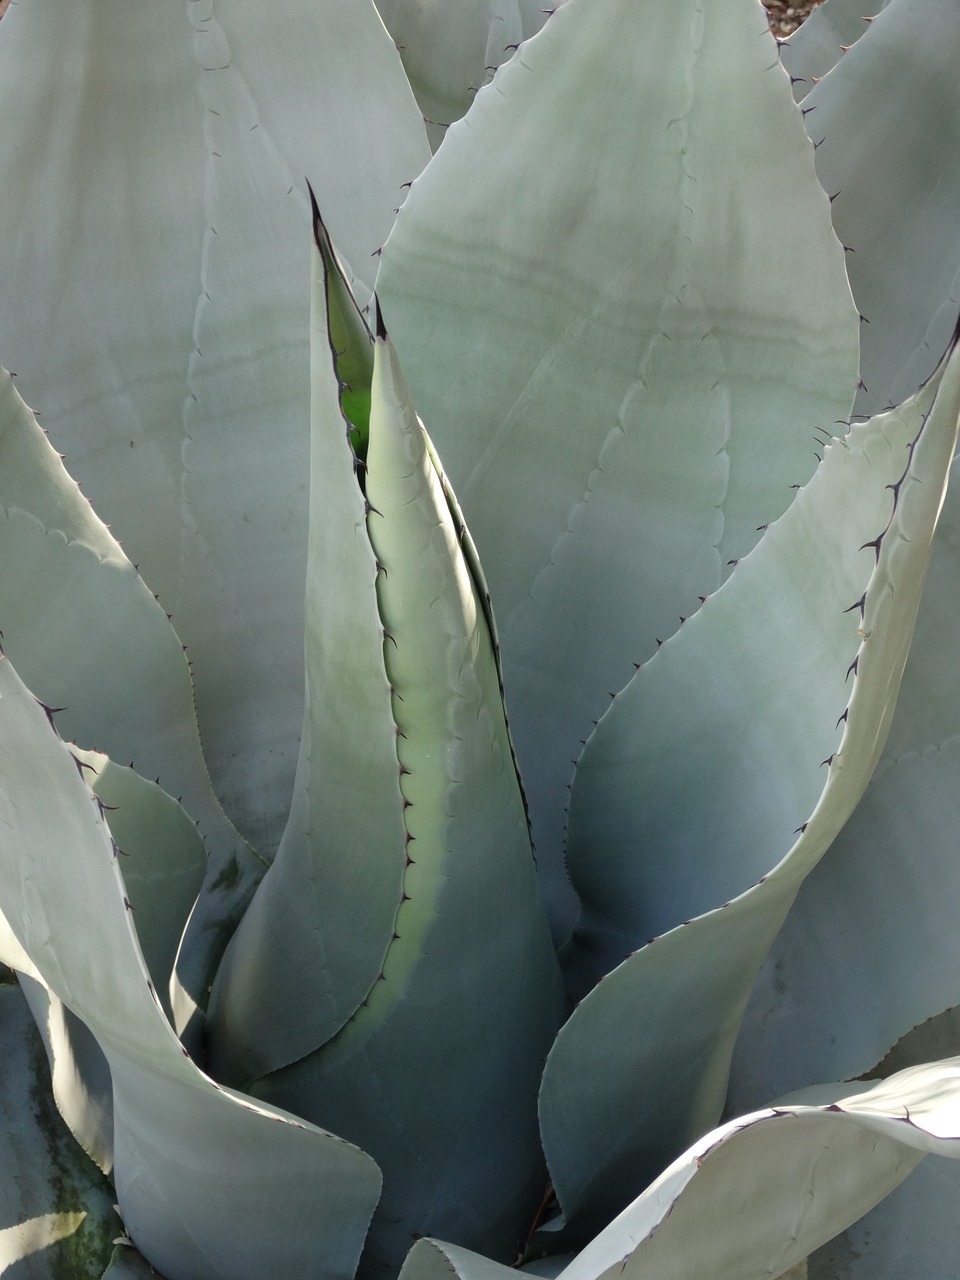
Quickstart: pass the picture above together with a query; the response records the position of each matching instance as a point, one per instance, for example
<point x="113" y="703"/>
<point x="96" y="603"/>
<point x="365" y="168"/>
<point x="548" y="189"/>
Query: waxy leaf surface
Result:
<point x="621" y="368"/>
<point x="710" y="774"/>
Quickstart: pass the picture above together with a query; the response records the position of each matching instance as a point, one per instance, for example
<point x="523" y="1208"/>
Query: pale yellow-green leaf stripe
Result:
<point x="436" y="1073"/>
<point x="622" y="370"/>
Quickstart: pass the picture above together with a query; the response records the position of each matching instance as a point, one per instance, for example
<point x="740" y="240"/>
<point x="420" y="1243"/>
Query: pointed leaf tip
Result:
<point x="381" y="329"/>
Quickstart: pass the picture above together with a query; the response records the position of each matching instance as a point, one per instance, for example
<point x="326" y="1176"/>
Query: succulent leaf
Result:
<point x="313" y="942"/>
<point x="814" y="1164"/>
<point x="436" y="1260"/>
<point x="666" y="824"/>
<point x="895" y="176"/>
<point x="619" y="293"/>
<point x="613" y="357"/>
<point x="897" y="858"/>
<point x="436" y="1073"/>
<point x="297" y="1199"/>
<point x="450" y="50"/>
<point x="815" y="1168"/>
<point x="821" y="40"/>
<point x="83" y="627"/>
<point x="164" y="860"/>
<point x="910" y="1232"/>
<point x="12" y="954"/>
<point x="348" y="337"/>
<point x="169" y="204"/>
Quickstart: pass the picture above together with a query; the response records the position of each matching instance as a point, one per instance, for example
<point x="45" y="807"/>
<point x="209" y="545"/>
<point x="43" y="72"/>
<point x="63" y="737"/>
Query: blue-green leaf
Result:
<point x="717" y="779"/>
<point x="886" y="121"/>
<point x="897" y="860"/>
<point x="436" y="1073"/>
<point x="211" y="1185"/>
<point x="156" y="301"/>
<point x="449" y="51"/>
<point x="621" y="367"/>
<point x="313" y="943"/>
<point x="90" y="638"/>
<point x="821" y="40"/>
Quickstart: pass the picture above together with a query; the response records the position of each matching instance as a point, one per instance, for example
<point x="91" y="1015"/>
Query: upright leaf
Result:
<point x="732" y="760"/>
<point x="886" y="121"/>
<point x="450" y="50"/>
<point x="633" y="285"/>
<point x="436" y="1072"/>
<point x="313" y="943"/>
<point x="87" y="633"/>
<point x="897" y="860"/>
<point x="823" y="38"/>
<point x="155" y="306"/>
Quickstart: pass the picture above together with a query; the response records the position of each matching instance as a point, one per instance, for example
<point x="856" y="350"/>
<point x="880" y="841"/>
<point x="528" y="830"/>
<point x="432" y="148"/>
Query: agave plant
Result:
<point x="428" y="948"/>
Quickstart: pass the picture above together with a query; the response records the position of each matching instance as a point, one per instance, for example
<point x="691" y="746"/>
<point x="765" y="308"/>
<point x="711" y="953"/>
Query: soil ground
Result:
<point x="786" y="15"/>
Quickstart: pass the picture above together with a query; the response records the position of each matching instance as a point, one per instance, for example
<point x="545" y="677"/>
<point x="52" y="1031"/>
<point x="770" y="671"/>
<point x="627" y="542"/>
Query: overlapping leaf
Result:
<point x="886" y="121"/>
<point x="897" y="861"/>
<point x="759" y="1194"/>
<point x="155" y="306"/>
<point x="820" y="42"/>
<point x="408" y="804"/>
<point x="450" y="50"/>
<point x="621" y="366"/>
<point x="313" y="942"/>
<point x="86" y="632"/>
<point x="209" y="1184"/>
<point x="735" y="780"/>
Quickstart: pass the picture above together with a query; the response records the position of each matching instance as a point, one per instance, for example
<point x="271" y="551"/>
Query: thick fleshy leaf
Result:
<point x="896" y="859"/>
<point x="743" y="746"/>
<point x="819" y="43"/>
<point x="649" y="205"/>
<point x="450" y="50"/>
<point x="339" y="332"/>
<point x="313" y="942"/>
<point x="436" y="1073"/>
<point x="12" y="955"/>
<point x="56" y="1208"/>
<point x="155" y="305"/>
<point x="664" y="824"/>
<point x="886" y="121"/>
<point x="89" y="637"/>
<point x="436" y="1260"/>
<point x="756" y="1196"/>
<point x="915" y="1231"/>
<point x="210" y="1184"/>
<point x="164" y="860"/>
